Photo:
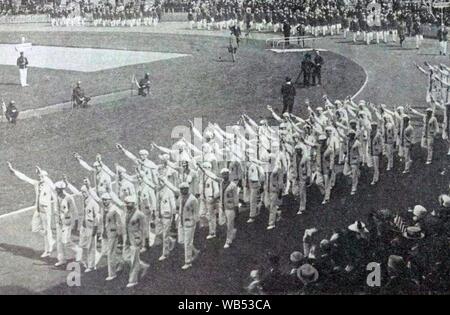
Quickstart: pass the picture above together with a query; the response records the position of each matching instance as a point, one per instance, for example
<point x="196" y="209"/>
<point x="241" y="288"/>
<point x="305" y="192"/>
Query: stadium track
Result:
<point x="221" y="272"/>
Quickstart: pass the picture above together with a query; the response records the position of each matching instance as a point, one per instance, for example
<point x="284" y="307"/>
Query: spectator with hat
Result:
<point x="399" y="281"/>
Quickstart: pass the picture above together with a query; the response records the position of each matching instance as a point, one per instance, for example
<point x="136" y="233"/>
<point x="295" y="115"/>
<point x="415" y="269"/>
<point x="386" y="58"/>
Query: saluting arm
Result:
<point x="416" y="112"/>
<point x="196" y="132"/>
<point x="107" y="169"/>
<point x="209" y="174"/>
<point x="443" y="82"/>
<point x="169" y="185"/>
<point x="116" y="199"/>
<point x="422" y="69"/>
<point x="275" y="116"/>
<point x="163" y="149"/>
<point x="95" y="196"/>
<point x="127" y="153"/>
<point x="83" y="163"/>
<point x="22" y="176"/>
<point x="192" y="147"/>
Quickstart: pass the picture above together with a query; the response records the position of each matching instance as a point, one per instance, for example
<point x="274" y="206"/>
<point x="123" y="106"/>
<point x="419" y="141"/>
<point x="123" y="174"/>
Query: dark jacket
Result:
<point x="288" y="92"/>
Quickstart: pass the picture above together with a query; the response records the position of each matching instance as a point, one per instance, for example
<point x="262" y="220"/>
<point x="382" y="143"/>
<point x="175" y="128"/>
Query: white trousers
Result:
<point x="23" y="76"/>
<point x="443" y="47"/>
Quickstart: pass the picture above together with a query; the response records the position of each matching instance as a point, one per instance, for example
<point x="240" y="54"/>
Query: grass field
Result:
<point x="182" y="88"/>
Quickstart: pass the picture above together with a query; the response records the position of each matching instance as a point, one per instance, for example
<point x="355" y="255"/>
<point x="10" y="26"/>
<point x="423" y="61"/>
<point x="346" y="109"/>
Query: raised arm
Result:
<point x="169" y="185"/>
<point x="415" y="112"/>
<point x="127" y="153"/>
<point x="275" y="116"/>
<point x="22" y="176"/>
<point x="209" y="174"/>
<point x="196" y="132"/>
<point x="163" y="149"/>
<point x="83" y="163"/>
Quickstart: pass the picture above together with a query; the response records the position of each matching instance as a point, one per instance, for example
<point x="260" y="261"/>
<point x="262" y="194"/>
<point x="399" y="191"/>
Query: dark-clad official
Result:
<point x="317" y="69"/>
<point x="306" y="69"/>
<point x="11" y="113"/>
<point x="78" y="97"/>
<point x="288" y="92"/>
<point x="286" y="32"/>
<point x="144" y="85"/>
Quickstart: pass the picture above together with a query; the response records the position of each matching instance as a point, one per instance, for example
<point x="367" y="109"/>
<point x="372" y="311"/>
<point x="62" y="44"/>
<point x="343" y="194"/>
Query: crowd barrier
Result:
<point x="45" y="18"/>
<point x="23" y="19"/>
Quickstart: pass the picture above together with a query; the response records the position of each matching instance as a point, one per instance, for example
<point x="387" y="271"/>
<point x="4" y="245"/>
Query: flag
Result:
<point x="399" y="223"/>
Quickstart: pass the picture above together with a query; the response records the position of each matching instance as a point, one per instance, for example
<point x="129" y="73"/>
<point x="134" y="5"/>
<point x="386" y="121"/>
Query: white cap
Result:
<point x="130" y="199"/>
<point x="143" y="152"/>
<point x="106" y="196"/>
<point x="164" y="157"/>
<point x="207" y="164"/>
<point x="184" y="185"/>
<point x="60" y="185"/>
<point x="322" y="137"/>
<point x="84" y="188"/>
<point x="359" y="227"/>
<point x="224" y="170"/>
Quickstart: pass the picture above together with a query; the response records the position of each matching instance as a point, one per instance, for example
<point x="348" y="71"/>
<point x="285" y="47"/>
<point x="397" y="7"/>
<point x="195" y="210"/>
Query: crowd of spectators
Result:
<point x="270" y="15"/>
<point x="410" y="251"/>
<point x="31" y="7"/>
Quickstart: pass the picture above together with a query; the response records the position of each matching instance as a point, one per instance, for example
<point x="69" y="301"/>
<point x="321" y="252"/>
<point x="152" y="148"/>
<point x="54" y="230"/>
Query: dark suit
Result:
<point x="288" y="92"/>
<point x="317" y="70"/>
<point x="286" y="32"/>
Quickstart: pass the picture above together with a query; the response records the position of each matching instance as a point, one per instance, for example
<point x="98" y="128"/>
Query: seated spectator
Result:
<point x="309" y="275"/>
<point x="144" y="85"/>
<point x="399" y="280"/>
<point x="78" y="96"/>
<point x="11" y="112"/>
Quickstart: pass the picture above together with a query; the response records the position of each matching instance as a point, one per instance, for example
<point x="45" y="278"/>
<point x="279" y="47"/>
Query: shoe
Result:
<point x="143" y="250"/>
<point x="111" y="278"/>
<point x="270" y="227"/>
<point x="60" y="263"/>
<point x="251" y="220"/>
<point x="428" y="162"/>
<point x="353" y="192"/>
<point x="226" y="245"/>
<point x="186" y="266"/>
<point x="45" y="254"/>
<point x="196" y="253"/>
<point x="211" y="236"/>
<point x="388" y="169"/>
<point x="373" y="183"/>
<point x="162" y="258"/>
<point x="88" y="270"/>
<point x="144" y="270"/>
<point x="324" y="202"/>
<point x="405" y="172"/>
<point x="133" y="284"/>
<point x="300" y="212"/>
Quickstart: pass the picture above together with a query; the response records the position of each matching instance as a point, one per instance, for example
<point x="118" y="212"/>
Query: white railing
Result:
<point x="276" y="42"/>
<point x="20" y="19"/>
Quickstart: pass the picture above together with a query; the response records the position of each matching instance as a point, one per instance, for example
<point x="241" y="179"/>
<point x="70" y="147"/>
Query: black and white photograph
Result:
<point x="238" y="148"/>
